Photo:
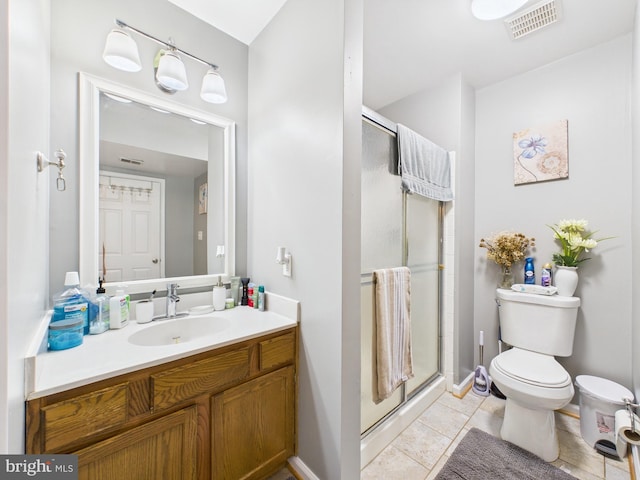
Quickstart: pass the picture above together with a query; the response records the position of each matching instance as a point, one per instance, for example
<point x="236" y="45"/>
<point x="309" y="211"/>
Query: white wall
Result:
<point x="78" y="32"/>
<point x="23" y="195"/>
<point x="591" y="90"/>
<point x="635" y="206"/>
<point x="304" y="194"/>
<point x="446" y="116"/>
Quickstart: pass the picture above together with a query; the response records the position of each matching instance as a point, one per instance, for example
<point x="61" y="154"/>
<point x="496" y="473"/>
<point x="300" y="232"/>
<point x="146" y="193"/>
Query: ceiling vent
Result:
<point x="534" y="18"/>
<point x="131" y="161"/>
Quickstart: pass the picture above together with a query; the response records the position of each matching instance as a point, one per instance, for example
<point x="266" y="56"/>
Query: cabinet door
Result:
<point x="162" y="449"/>
<point x="253" y="427"/>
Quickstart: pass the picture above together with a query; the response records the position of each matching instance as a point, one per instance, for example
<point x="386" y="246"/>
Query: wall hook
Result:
<point x="61" y="183"/>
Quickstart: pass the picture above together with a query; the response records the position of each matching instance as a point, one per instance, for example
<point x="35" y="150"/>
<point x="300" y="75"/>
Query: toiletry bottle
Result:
<point x="255" y="296"/>
<point x="235" y="290"/>
<point x="244" y="300"/>
<point x="119" y="310"/>
<point x="529" y="272"/>
<point x="99" y="323"/>
<point x="545" y="275"/>
<point x="261" y="298"/>
<point x="250" y="288"/>
<point x="73" y="302"/>
<point x="219" y="295"/>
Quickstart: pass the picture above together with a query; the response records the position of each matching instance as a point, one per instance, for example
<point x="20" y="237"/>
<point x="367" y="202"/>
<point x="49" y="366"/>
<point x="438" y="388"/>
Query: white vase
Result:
<point x="566" y="280"/>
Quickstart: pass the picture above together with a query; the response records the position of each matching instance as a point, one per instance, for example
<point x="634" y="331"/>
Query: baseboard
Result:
<point x="463" y="388"/>
<point x="300" y="470"/>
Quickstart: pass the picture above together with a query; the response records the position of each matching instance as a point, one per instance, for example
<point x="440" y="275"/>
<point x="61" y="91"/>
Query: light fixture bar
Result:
<point x="168" y="45"/>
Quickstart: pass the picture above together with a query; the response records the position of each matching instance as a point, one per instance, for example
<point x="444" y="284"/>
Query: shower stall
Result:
<point x="397" y="229"/>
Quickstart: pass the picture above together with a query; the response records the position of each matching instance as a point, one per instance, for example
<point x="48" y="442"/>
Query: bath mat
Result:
<point x="481" y="456"/>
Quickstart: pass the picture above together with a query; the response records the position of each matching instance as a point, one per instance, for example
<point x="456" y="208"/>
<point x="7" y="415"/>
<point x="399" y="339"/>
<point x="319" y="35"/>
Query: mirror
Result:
<point x="156" y="179"/>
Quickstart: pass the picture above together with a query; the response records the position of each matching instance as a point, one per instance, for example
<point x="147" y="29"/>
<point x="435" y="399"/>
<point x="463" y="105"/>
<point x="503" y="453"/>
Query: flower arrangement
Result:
<point x="574" y="240"/>
<point x="507" y="248"/>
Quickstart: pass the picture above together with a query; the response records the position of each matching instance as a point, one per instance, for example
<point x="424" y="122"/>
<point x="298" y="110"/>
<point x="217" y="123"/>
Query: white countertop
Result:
<point x="110" y="353"/>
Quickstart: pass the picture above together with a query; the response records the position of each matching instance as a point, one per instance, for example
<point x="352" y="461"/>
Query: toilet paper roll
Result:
<point x="624" y="434"/>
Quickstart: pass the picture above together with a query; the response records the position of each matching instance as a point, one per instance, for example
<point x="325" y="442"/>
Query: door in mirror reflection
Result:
<point x="131" y="232"/>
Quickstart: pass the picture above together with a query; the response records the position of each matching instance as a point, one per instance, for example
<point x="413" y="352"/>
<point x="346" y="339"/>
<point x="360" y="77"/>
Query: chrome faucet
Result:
<point x="172" y="299"/>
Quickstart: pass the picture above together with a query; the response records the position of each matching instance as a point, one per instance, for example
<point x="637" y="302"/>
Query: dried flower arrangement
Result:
<point x="507" y="248"/>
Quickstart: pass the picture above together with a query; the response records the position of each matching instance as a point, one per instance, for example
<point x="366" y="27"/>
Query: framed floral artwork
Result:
<point x="203" y="196"/>
<point x="541" y="153"/>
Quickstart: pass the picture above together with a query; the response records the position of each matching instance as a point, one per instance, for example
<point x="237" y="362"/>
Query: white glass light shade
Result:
<point x="494" y="9"/>
<point x="171" y="72"/>
<point x="121" y="51"/>
<point x="213" y="90"/>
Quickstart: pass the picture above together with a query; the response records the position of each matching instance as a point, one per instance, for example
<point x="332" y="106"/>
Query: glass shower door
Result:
<point x="397" y="230"/>
<point x="423" y="253"/>
<point x="381" y="234"/>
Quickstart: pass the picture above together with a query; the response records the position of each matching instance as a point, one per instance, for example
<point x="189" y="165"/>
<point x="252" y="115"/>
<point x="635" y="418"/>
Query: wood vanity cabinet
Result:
<point x="224" y="414"/>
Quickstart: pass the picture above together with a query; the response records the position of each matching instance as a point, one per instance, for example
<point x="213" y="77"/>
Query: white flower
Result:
<point x="574" y="240"/>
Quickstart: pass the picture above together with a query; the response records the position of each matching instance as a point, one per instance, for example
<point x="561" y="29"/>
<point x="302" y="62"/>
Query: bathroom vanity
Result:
<point x="217" y="408"/>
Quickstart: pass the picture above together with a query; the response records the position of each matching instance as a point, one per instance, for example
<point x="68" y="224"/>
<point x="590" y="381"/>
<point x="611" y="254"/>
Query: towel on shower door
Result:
<point x="425" y="167"/>
<point x="393" y="329"/>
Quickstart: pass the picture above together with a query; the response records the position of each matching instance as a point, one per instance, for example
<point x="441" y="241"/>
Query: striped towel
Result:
<point x="393" y="329"/>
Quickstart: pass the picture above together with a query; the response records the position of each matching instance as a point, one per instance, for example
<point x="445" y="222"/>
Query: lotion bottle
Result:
<point x="219" y="295"/>
<point x="119" y="310"/>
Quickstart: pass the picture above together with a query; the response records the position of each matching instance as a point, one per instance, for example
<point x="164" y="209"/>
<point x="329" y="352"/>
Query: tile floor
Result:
<point x="421" y="450"/>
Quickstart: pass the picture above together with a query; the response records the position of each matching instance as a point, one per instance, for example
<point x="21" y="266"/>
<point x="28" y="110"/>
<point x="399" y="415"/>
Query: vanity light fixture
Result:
<point x="494" y="9"/>
<point x="170" y="75"/>
<point x="121" y="51"/>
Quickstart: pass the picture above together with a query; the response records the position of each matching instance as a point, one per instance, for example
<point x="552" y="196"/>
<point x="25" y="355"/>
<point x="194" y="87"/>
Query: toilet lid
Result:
<point x="532" y="368"/>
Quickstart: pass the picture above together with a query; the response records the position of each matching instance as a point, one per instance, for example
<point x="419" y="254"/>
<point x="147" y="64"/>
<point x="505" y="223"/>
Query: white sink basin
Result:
<point x="181" y="330"/>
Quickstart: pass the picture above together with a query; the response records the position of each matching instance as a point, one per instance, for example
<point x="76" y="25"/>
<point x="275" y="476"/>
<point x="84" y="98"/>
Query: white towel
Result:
<point x="424" y="166"/>
<point x="393" y="329"/>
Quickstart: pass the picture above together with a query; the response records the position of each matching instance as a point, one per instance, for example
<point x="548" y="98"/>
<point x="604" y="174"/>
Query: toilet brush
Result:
<point x="481" y="381"/>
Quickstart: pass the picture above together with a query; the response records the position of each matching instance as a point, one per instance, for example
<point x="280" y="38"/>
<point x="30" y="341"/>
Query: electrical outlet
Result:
<point x="286" y="267"/>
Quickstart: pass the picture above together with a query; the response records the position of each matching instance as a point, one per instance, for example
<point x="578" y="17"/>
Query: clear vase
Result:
<point x="566" y="280"/>
<point x="506" y="280"/>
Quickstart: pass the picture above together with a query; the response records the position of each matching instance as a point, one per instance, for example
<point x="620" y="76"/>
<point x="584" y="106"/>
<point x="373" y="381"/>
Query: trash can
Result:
<point x="599" y="400"/>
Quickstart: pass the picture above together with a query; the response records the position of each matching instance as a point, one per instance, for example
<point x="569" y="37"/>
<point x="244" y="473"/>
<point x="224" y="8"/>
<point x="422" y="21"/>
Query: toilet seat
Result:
<point x="532" y="368"/>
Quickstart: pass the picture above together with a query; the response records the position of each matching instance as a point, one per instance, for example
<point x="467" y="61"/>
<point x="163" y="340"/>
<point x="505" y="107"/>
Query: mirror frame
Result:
<point x="89" y="89"/>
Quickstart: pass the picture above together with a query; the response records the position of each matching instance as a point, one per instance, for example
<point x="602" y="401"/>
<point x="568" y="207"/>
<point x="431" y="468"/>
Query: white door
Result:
<point x="131" y="230"/>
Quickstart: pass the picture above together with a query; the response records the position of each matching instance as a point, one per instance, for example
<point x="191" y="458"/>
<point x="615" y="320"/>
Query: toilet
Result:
<point x="538" y="327"/>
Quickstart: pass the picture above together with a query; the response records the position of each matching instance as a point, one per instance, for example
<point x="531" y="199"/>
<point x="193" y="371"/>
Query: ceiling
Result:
<point x="412" y="45"/>
<point x="242" y="19"/>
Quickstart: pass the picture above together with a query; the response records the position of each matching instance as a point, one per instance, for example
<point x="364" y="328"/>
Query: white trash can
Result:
<point x="599" y="400"/>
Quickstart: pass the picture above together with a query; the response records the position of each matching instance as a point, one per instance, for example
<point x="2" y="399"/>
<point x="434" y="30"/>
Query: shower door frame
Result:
<point x="386" y="125"/>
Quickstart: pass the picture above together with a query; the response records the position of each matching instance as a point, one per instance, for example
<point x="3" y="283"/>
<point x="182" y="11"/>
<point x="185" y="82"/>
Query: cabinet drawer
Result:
<point x="83" y="416"/>
<point x="277" y="351"/>
<point x="181" y="383"/>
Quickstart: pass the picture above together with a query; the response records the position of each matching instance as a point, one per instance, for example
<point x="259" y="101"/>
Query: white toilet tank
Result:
<point x="539" y="323"/>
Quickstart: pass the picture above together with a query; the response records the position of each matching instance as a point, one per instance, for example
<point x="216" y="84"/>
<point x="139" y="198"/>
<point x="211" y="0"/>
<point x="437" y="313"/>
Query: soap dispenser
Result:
<point x="219" y="295"/>
<point x="99" y="321"/>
